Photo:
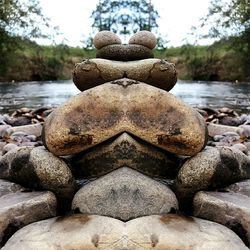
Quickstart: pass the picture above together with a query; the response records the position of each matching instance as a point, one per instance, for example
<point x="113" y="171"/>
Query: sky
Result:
<point x="175" y="22"/>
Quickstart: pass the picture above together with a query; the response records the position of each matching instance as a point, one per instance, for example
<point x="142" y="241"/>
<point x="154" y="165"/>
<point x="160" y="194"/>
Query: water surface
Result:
<point x="53" y="93"/>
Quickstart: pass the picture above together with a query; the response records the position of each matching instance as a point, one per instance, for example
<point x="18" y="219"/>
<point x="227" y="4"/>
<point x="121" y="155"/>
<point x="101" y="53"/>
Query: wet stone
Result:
<point x="124" y="194"/>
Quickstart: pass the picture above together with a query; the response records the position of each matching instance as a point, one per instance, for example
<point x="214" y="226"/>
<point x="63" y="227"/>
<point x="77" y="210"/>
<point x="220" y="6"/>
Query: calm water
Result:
<point x="198" y="94"/>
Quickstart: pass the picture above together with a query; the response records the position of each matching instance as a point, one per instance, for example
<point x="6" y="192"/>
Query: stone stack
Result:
<point x="129" y="158"/>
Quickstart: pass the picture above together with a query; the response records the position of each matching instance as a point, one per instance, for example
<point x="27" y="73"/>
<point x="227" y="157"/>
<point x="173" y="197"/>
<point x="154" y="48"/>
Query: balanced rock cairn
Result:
<point x="128" y="159"/>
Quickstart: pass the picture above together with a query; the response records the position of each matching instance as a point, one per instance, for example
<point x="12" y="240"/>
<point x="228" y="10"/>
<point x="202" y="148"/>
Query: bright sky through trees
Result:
<point x="175" y="22"/>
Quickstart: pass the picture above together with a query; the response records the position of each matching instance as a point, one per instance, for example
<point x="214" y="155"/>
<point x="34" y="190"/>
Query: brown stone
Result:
<point x="125" y="151"/>
<point x="145" y="38"/>
<point x="149" y="113"/>
<point x="104" y="38"/>
<point x="93" y="72"/>
<point x="124" y="52"/>
<point x="81" y="232"/>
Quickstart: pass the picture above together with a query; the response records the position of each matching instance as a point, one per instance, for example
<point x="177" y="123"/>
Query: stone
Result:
<point x="7" y="187"/>
<point x="145" y="38"/>
<point x="104" y="38"/>
<point x="246" y="130"/>
<point x="211" y="168"/>
<point x="241" y="147"/>
<point x="8" y="147"/>
<point x="103" y="112"/>
<point x="125" y="150"/>
<point x="31" y="129"/>
<point x="231" y="209"/>
<point x="3" y="128"/>
<point x="93" y="72"/>
<point x="18" y="209"/>
<point x="124" y="52"/>
<point x="216" y="129"/>
<point x="81" y="232"/>
<point x="38" y="168"/>
<point x="124" y="194"/>
<point x="242" y="187"/>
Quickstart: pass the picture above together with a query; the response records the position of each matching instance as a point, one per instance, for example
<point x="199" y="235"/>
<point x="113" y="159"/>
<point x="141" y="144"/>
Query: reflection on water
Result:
<point x="198" y="94"/>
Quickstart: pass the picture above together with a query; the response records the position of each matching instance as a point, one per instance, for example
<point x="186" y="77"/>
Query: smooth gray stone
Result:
<point x="231" y="208"/>
<point x="125" y="194"/>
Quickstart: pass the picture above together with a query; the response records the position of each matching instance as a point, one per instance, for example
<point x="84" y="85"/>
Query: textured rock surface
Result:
<point x="125" y="150"/>
<point x="125" y="194"/>
<point x="211" y="168"/>
<point x="217" y="129"/>
<point x="37" y="168"/>
<point x="7" y="187"/>
<point x="104" y="38"/>
<point x="18" y="209"/>
<point x="145" y="38"/>
<point x="122" y="52"/>
<point x="81" y="232"/>
<point x="93" y="72"/>
<point x="100" y="113"/>
<point x="231" y="209"/>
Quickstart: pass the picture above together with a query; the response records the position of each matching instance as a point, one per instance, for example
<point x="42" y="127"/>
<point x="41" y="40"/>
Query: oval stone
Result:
<point x="104" y="38"/>
<point x="145" y="38"/>
<point x="149" y="113"/>
<point x="124" y="52"/>
<point x="93" y="72"/>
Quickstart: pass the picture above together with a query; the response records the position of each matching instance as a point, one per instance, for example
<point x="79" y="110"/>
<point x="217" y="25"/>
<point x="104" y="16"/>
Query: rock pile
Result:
<point x="127" y="164"/>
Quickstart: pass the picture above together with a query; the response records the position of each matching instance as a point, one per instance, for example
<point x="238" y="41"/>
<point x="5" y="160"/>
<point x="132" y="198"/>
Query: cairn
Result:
<point x="129" y="160"/>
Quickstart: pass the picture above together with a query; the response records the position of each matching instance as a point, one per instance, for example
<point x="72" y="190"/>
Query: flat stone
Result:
<point x="211" y="168"/>
<point x="217" y="129"/>
<point x="242" y="187"/>
<point x="231" y="209"/>
<point x="38" y="168"/>
<point x="101" y="113"/>
<point x="124" y="52"/>
<point x="145" y="38"/>
<point x="125" y="151"/>
<point x="80" y="232"/>
<point x="18" y="209"/>
<point x="93" y="72"/>
<point x="125" y="194"/>
<point x="104" y="38"/>
<point x="7" y="187"/>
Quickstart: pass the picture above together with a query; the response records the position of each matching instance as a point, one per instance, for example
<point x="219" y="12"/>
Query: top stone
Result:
<point x="104" y="38"/>
<point x="145" y="38"/>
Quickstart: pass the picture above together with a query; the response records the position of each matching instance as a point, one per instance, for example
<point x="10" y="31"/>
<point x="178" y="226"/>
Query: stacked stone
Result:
<point x="125" y="132"/>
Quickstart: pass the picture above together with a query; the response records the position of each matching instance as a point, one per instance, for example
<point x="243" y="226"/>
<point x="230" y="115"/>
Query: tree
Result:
<point x="19" y="20"/>
<point x="125" y="17"/>
<point x="229" y="20"/>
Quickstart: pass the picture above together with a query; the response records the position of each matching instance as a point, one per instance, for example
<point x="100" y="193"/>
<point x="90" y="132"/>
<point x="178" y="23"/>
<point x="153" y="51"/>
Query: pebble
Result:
<point x="145" y="38"/>
<point x="104" y="38"/>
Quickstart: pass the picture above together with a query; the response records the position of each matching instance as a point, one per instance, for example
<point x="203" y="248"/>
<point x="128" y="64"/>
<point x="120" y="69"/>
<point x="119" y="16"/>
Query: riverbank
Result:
<point x="32" y="62"/>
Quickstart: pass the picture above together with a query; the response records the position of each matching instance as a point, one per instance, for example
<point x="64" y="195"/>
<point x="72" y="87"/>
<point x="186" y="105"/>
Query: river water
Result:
<point x="198" y="94"/>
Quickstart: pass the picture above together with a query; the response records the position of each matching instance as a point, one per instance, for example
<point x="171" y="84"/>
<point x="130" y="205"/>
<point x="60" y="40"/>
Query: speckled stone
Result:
<point x="145" y="38"/>
<point x="103" y="112"/>
<point x="124" y="52"/>
<point x="81" y="232"/>
<point x="104" y="38"/>
<point x="125" y="194"/>
<point x="93" y="72"/>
